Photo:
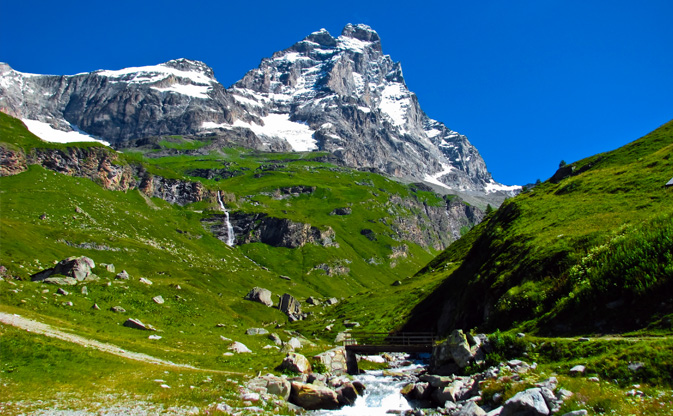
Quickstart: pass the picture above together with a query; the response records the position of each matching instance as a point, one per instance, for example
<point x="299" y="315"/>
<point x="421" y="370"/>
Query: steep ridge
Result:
<point x="340" y="95"/>
<point x="587" y="251"/>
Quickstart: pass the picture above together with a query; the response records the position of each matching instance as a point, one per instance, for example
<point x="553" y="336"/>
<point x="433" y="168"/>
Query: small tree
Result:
<point x="489" y="209"/>
<point x="562" y="164"/>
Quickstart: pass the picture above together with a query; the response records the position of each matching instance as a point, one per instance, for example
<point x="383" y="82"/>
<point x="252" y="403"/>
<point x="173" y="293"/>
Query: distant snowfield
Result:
<point x="299" y="135"/>
<point x="434" y="179"/>
<point x="495" y="187"/>
<point x="49" y="134"/>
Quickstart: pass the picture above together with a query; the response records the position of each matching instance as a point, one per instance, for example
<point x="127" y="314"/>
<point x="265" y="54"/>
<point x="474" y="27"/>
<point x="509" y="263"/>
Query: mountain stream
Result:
<point x="381" y="397"/>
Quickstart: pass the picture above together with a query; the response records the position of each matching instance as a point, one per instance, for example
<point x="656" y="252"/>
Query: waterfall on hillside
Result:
<point x="230" y="230"/>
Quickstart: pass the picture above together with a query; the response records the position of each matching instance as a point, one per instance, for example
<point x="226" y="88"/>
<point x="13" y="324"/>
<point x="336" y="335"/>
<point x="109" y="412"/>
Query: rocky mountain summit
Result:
<point x="341" y="95"/>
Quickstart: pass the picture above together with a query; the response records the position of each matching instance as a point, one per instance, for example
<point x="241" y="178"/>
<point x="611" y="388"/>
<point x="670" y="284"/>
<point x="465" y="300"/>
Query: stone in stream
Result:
<point x="312" y="397"/>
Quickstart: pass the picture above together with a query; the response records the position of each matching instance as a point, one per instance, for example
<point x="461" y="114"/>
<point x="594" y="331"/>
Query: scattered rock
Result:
<point x="294" y="343"/>
<point x="123" y="275"/>
<point x="68" y="303"/>
<point x="580" y="412"/>
<point x="636" y="366"/>
<point x="397" y="283"/>
<point x="239" y="348"/>
<point x="256" y="331"/>
<point x="117" y="309"/>
<point x="146" y="281"/>
<point x="95" y="307"/>
<point x="594" y="379"/>
<point x="583" y="339"/>
<point x="577" y="370"/>
<point x="136" y="324"/>
<point x="109" y="267"/>
<point x="276" y="339"/>
<point x="341" y="211"/>
<point x="312" y="301"/>
<point x="270" y="384"/>
<point x="158" y="300"/>
<point x="470" y="409"/>
<point x="85" y="291"/>
<point x="261" y="295"/>
<point x="154" y="337"/>
<point x="528" y="402"/>
<point x="332" y="301"/>
<point x="285" y="277"/>
<point x="295" y="363"/>
<point x="62" y="291"/>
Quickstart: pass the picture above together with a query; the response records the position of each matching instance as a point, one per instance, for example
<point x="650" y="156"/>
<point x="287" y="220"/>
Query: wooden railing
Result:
<point x="400" y="339"/>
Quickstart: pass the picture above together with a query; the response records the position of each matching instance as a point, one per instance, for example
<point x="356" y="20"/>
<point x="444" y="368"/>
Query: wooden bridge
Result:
<point x="377" y="342"/>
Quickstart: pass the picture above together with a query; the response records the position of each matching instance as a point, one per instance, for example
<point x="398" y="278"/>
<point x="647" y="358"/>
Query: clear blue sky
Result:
<point x="530" y="82"/>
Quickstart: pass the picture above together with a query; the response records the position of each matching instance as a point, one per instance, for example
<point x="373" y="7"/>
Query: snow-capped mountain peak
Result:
<point x="341" y="95"/>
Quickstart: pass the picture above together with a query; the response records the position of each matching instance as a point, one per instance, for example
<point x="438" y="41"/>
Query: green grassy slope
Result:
<point x="47" y="216"/>
<point x="587" y="251"/>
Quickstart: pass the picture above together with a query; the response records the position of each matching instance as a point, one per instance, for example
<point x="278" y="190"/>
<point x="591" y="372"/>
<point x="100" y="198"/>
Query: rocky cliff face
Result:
<point x="340" y="95"/>
<point x="102" y="166"/>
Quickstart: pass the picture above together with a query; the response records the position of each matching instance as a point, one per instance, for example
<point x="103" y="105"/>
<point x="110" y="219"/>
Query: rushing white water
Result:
<point x="231" y="238"/>
<point x="381" y="397"/>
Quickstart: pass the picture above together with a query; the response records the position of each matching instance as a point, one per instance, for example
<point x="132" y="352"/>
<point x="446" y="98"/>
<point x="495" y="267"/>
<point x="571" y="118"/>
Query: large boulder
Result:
<point x="271" y="384"/>
<point x="290" y="306"/>
<point x="313" y="397"/>
<point x="334" y="360"/>
<point x="78" y="268"/>
<point x="295" y="363"/>
<point x="529" y="402"/>
<point x="239" y="347"/>
<point x="261" y="295"/>
<point x="137" y="324"/>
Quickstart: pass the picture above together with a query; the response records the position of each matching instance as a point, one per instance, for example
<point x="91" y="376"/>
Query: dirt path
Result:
<point x="44" y="329"/>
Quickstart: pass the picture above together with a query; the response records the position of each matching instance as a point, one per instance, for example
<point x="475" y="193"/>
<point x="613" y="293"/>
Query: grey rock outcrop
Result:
<point x="261" y="295"/>
<point x="78" y="268"/>
<point x="295" y="363"/>
<point x="529" y="402"/>
<point x="277" y="232"/>
<point x="290" y="306"/>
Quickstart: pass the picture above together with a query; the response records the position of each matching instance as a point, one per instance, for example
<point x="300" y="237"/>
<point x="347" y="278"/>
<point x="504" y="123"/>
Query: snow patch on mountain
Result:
<point x="49" y="134"/>
<point x="434" y="178"/>
<point x="297" y="134"/>
<point x="394" y="103"/>
<point x="494" y="186"/>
